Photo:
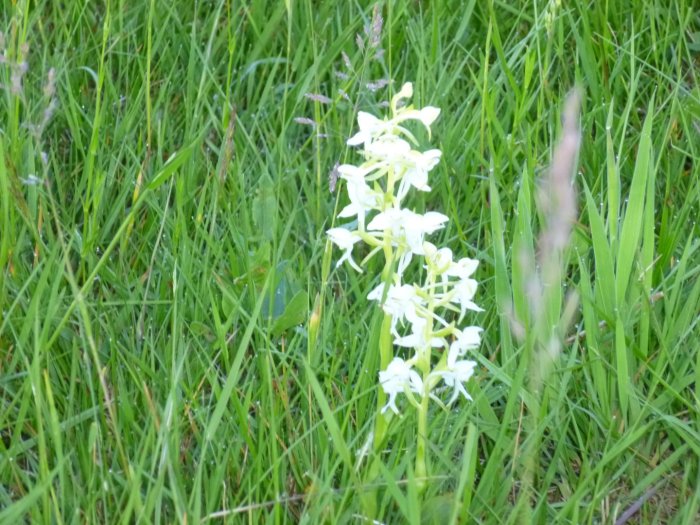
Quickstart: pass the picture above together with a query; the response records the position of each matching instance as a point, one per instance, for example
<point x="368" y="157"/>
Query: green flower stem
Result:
<point x="421" y="472"/>
<point x="423" y="364"/>
<point x="390" y="183"/>
<point x="386" y="343"/>
<point x="424" y="353"/>
<point x="381" y="421"/>
<point x="385" y="356"/>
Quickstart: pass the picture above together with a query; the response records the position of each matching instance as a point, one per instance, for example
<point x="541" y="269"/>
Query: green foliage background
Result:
<point x="162" y="250"/>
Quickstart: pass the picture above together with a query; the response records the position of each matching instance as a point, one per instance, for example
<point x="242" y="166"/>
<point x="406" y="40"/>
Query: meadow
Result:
<point x="177" y="344"/>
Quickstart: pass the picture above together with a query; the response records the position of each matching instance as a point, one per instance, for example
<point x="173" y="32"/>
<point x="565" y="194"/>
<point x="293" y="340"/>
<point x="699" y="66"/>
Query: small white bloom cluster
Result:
<point x="378" y="186"/>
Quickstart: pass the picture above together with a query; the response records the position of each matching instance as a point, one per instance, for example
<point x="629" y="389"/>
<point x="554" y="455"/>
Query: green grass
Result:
<point x="157" y="363"/>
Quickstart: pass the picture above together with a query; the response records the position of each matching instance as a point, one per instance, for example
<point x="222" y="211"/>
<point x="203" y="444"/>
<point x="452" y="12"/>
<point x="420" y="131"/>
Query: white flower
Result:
<point x="464" y="268"/>
<point x="427" y="115"/>
<point x="417" y="226"/>
<point x="376" y="189"/>
<point x="468" y="338"/>
<point x="350" y="172"/>
<point x="418" y="338"/>
<point x="401" y="302"/>
<point x="464" y="291"/>
<point x="416" y="166"/>
<point x="404" y="261"/>
<point x="345" y="240"/>
<point x="396" y="378"/>
<point x="372" y="127"/>
<point x="389" y="148"/>
<point x="391" y="219"/>
<point x="457" y="373"/>
<point x="406" y="91"/>
<point x="408" y="225"/>
<point x="438" y="261"/>
<point x="362" y="197"/>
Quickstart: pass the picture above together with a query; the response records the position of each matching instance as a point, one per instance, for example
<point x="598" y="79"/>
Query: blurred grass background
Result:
<point x="164" y="195"/>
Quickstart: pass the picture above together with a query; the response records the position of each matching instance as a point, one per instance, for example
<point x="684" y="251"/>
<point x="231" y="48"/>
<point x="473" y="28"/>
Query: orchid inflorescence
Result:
<point x="420" y="313"/>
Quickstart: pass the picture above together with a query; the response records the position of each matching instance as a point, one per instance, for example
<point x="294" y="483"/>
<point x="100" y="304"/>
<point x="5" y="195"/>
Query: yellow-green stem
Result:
<point x="424" y="366"/>
<point x="381" y="421"/>
<point x="385" y="356"/>
<point x="421" y="462"/>
<point x="386" y="344"/>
